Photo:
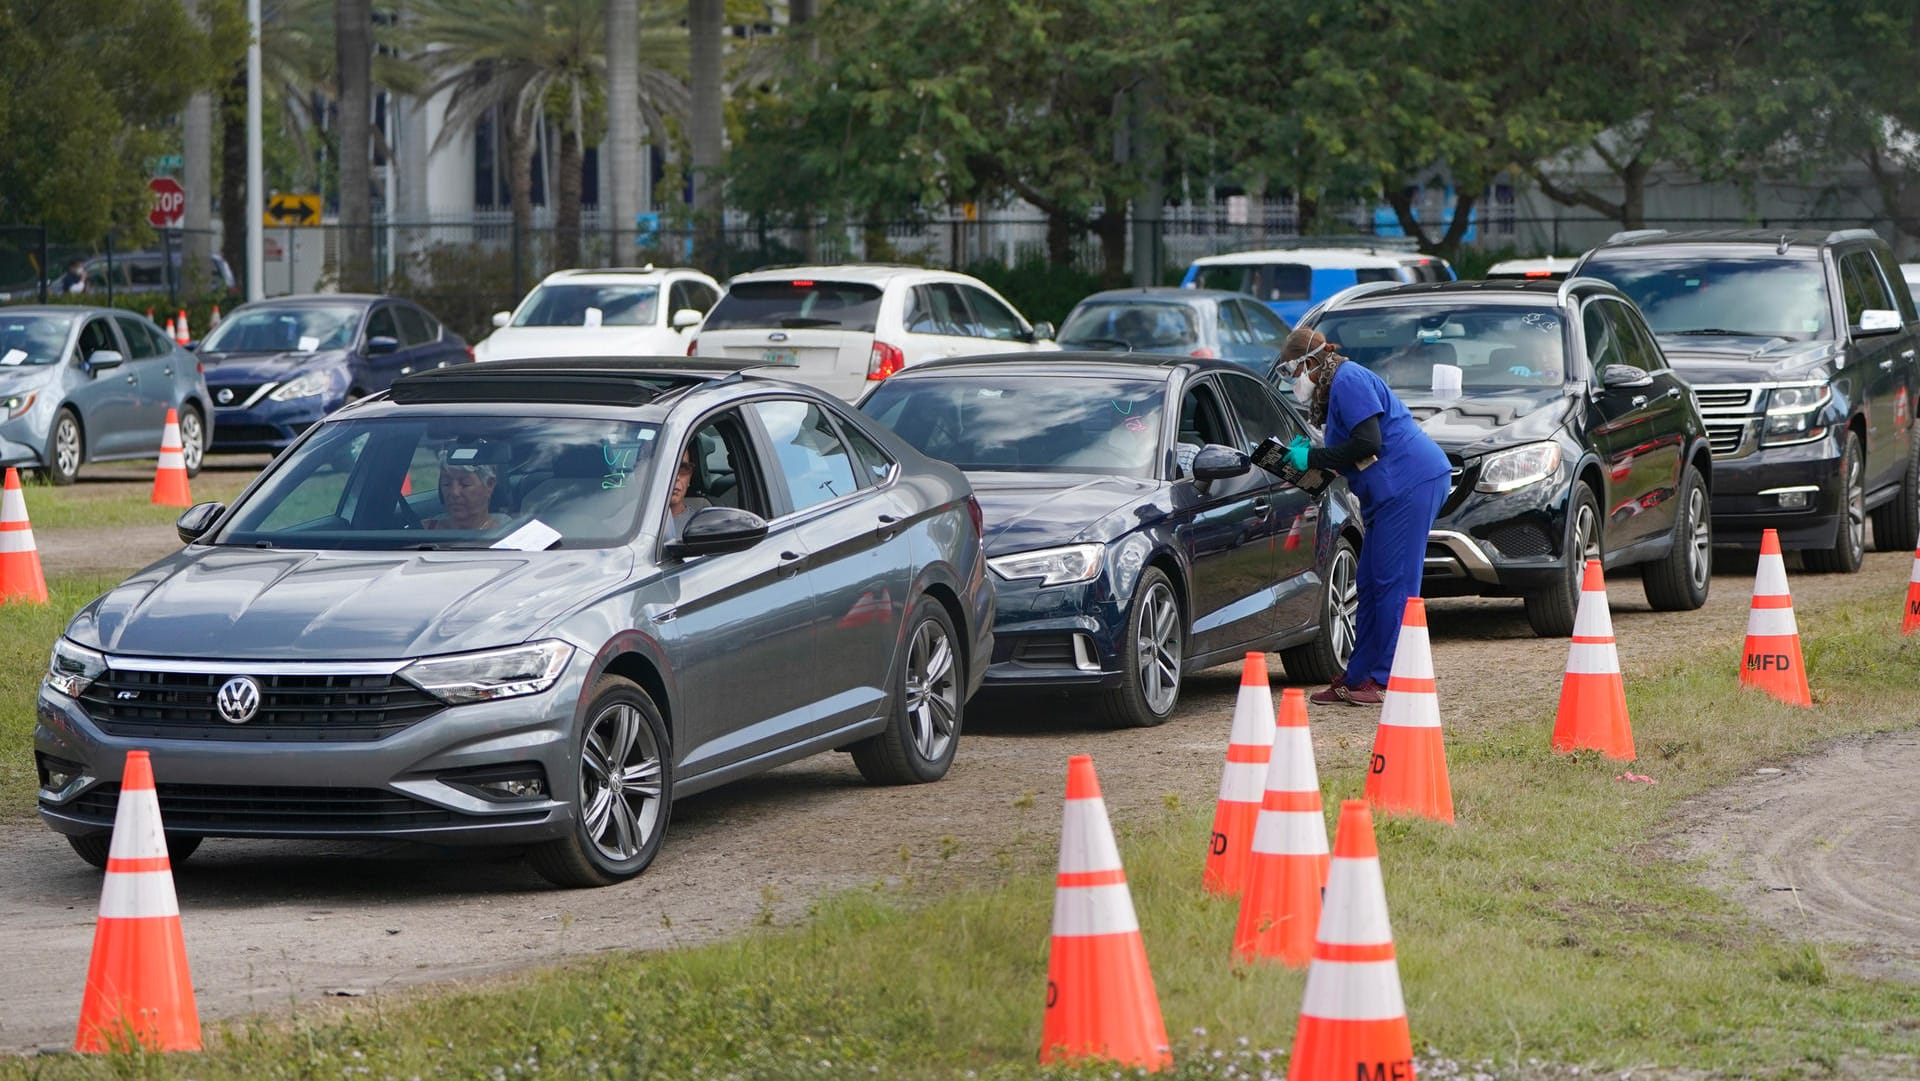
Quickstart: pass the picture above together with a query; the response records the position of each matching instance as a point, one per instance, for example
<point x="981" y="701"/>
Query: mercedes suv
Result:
<point x="1800" y="347"/>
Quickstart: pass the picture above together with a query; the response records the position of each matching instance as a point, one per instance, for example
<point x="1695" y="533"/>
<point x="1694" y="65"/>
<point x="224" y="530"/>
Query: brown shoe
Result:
<point x="1366" y="694"/>
<point x="1334" y="694"/>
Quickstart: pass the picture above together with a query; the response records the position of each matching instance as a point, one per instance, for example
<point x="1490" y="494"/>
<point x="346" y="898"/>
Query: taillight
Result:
<point x="1204" y="352"/>
<point x="1539" y="273"/>
<point x="883" y="361"/>
<point x="692" y="343"/>
<point x="979" y="517"/>
<point x="469" y="354"/>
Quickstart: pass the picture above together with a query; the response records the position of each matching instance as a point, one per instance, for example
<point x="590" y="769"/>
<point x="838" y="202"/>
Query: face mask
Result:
<point x="1303" y="389"/>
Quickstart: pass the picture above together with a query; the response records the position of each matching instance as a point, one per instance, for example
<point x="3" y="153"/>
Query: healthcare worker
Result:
<point x="1400" y="477"/>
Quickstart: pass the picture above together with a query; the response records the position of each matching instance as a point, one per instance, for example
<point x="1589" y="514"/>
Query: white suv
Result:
<point x="842" y="328"/>
<point x="643" y="312"/>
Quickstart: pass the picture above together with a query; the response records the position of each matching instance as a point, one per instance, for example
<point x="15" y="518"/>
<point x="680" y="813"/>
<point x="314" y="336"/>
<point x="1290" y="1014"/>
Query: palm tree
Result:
<point x="623" y="119"/>
<point x="704" y="27"/>
<point x="353" y="68"/>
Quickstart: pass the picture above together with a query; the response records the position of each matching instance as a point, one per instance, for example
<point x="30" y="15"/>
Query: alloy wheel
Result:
<point x="66" y="446"/>
<point x="1158" y="648"/>
<point x="193" y="440"/>
<point x="620" y="785"/>
<point x="1343" y="604"/>
<point x="1856" y="506"/>
<point x="1700" y="544"/>
<point x="933" y="698"/>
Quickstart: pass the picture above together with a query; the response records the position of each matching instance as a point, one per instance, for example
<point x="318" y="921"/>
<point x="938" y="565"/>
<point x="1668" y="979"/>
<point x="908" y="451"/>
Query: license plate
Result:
<point x="783" y="357"/>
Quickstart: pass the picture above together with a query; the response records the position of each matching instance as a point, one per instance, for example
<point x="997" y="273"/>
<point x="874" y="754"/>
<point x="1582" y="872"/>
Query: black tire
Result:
<point x="1151" y="658"/>
<point x="1325" y="658"/>
<point x="929" y="703"/>
<point x="600" y="848"/>
<point x="1679" y="582"/>
<point x="66" y="449"/>
<point x="1896" y="523"/>
<point x="1550" y="611"/>
<point x="1850" y="542"/>
<point x="93" y="847"/>
<point x="193" y="439"/>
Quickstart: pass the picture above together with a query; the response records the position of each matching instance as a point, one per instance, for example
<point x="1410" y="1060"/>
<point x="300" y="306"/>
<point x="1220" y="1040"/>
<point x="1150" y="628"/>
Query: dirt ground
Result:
<point x="277" y="927"/>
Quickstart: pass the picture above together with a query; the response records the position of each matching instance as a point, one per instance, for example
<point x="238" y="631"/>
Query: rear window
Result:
<point x="1026" y="423"/>
<point x="797" y="305"/>
<point x="1270" y="281"/>
<point x="1378" y="274"/>
<point x="1142" y="328"/>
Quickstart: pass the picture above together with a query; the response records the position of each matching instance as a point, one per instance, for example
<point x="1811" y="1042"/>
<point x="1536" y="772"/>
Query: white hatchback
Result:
<point x="642" y="312"/>
<point x="843" y="328"/>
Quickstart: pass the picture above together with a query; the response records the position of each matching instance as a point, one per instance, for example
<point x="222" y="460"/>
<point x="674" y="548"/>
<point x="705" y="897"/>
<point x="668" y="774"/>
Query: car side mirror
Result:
<point x="501" y="319"/>
<point x="1878" y="321"/>
<point x="198" y="518"/>
<point x="101" y="359"/>
<point x="686" y="317"/>
<point x="717" y="531"/>
<point x="1215" y="462"/>
<point x="382" y="345"/>
<point x="1623" y="377"/>
<point x="1043" y="331"/>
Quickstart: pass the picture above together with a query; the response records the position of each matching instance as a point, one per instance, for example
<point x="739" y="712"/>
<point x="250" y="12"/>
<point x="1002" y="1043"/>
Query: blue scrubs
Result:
<point x="1400" y="496"/>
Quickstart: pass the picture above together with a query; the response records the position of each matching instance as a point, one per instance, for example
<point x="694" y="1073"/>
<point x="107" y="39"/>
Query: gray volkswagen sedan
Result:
<point x="530" y="604"/>
<point x="82" y="385"/>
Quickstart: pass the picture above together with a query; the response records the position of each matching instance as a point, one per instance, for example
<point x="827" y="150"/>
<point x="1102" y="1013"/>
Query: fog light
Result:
<point x="1793" y="501"/>
<point x="56" y="774"/>
<point x="505" y="781"/>
<point x="518" y="788"/>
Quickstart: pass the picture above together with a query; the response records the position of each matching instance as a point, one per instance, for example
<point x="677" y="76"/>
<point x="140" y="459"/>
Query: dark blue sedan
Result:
<point x="276" y="366"/>
<point x="1177" y="322"/>
<point x="1130" y="538"/>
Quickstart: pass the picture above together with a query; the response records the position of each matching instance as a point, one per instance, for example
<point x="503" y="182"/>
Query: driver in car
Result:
<point x="466" y="489"/>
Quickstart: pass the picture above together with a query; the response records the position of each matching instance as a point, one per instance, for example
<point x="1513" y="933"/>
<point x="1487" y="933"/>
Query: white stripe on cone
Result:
<point x="1252" y="716"/>
<point x="1353" y="990"/>
<point x="1291" y="769"/>
<point x="1243" y="782"/>
<point x="1413" y="656"/>
<point x="16" y="540"/>
<point x="172" y="459"/>
<point x="1086" y="838"/>
<point x="1915" y="577"/>
<point x="1771" y="623"/>
<point x="1593" y="620"/>
<point x="136" y="827"/>
<point x="1290" y="833"/>
<point x="1771" y="579"/>
<point x="13" y="505"/>
<point x="1410" y="709"/>
<point x="135" y="895"/>
<point x="1363" y="920"/>
<point x="1593" y="659"/>
<point x="1079" y="911"/>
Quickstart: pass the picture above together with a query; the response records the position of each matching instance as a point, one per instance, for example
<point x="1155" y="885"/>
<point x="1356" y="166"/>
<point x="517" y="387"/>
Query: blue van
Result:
<point x="1291" y="280"/>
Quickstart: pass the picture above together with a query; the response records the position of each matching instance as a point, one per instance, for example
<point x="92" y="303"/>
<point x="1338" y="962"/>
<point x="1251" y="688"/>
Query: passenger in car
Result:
<point x="466" y="489"/>
<point x="681" y="507"/>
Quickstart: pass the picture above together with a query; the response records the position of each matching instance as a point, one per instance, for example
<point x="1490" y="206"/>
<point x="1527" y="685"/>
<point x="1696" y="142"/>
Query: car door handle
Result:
<point x="1887" y="365"/>
<point x="133" y="380"/>
<point x="1261" y="506"/>
<point x="789" y="564"/>
<point x="1638" y="401"/>
<point x="889" y="525"/>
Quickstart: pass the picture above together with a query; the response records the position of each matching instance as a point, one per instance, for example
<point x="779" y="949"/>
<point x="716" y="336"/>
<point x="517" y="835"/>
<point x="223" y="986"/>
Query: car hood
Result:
<point x="247" y="604"/>
<point x="1712" y="359"/>
<point x="230" y="368"/>
<point x="24" y="376"/>
<point x="524" y="343"/>
<point x="1025" y="511"/>
<point x="1474" y="424"/>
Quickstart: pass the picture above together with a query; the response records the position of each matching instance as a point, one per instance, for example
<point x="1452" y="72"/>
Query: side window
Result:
<point x="1232" y="325"/>
<point x="1260" y="415"/>
<point x="1633" y="349"/>
<point x="139" y="346"/>
<point x="1201" y="421"/>
<point x="992" y="319"/>
<point x="1383" y="274"/>
<point x="1603" y="348"/>
<point x="704" y="297"/>
<point x="95" y="336"/>
<point x="1281" y="281"/>
<point x="415" y="327"/>
<point x="381" y="324"/>
<point x="1864" y="289"/>
<point x="723" y="473"/>
<point x="162" y="344"/>
<point x="1648" y="347"/>
<point x="1267" y="327"/>
<point x="937" y="309"/>
<point x="1902" y="294"/>
<point x="809" y="458"/>
<point x="875" y="462"/>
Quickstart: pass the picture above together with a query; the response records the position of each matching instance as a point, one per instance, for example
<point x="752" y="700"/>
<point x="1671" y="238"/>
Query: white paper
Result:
<point x="13" y="357"/>
<point x="1446" y="379"/>
<point x="535" y="536"/>
<point x="593" y="317"/>
<point x="309" y="344"/>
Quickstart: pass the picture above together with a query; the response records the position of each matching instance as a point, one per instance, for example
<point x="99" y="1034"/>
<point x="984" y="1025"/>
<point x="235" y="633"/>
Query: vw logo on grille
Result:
<point x="225" y="396"/>
<point x="238" y="700"/>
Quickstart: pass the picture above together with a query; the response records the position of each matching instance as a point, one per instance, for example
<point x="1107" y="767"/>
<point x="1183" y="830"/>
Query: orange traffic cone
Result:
<point x="20" y="577"/>
<point x="213" y="320"/>
<point x="1241" y="780"/>
<point x="170" y="479"/>
<point x="1408" y="772"/>
<point x="149" y="315"/>
<point x="1293" y="533"/>
<point x="1100" y="998"/>
<point x="1281" y="905"/>
<point x="406" y="484"/>
<point x="1773" y="661"/>
<point x="1912" y="621"/>
<point x="1593" y="700"/>
<point x="172" y="331"/>
<point x="138" y="989"/>
<point x="1353" y="1020"/>
<point x="181" y="334"/>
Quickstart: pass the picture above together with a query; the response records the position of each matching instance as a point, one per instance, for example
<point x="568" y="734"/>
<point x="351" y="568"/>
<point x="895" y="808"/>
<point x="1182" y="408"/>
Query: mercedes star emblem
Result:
<point x="238" y="700"/>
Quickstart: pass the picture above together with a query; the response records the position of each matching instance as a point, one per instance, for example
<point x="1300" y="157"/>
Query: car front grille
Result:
<point x="242" y="394"/>
<point x="1732" y="399"/>
<point x="1521" y="540"/>
<point x="1729" y="412"/>
<point x="202" y="808"/>
<point x="294" y="708"/>
<point x="1726" y="436"/>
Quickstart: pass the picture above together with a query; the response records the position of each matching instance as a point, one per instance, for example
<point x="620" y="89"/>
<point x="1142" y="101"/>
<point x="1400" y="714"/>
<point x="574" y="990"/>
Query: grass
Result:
<point x="1548" y="927"/>
<point x="107" y="506"/>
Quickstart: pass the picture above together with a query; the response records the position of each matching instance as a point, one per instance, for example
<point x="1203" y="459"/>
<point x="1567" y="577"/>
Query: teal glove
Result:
<point x="1297" y="453"/>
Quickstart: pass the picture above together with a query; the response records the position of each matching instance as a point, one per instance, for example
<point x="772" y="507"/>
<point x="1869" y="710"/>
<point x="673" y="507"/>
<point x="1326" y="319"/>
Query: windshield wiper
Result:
<point x="1721" y="332"/>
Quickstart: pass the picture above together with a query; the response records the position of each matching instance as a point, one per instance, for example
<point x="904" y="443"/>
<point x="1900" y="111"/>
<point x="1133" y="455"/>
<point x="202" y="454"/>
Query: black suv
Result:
<point x="1570" y="437"/>
<point x="1800" y="349"/>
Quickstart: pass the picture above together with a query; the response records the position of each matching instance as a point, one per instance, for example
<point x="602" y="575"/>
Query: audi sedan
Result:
<point x="530" y="603"/>
<point x="1131" y="539"/>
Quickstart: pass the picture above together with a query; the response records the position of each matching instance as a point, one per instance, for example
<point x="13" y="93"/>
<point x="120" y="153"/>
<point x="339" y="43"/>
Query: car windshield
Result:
<point x="796" y="304"/>
<point x="451" y="482"/>
<point x="1495" y="347"/>
<point x="1767" y="297"/>
<point x="297" y="328"/>
<point x="1027" y="423"/>
<point x="1143" y="326"/>
<point x="577" y="305"/>
<point x="33" y="339"/>
<point x="1270" y="281"/>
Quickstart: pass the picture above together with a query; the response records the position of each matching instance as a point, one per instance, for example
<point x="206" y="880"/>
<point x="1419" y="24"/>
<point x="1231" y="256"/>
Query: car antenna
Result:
<point x="1785" y="243"/>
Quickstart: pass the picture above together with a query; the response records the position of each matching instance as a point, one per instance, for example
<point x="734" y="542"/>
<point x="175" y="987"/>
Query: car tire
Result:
<point x="1850" y="541"/>
<point x="193" y="439"/>
<point x="621" y="746"/>
<point x="1550" y="611"/>
<point x="1679" y="581"/>
<point x="94" y="847"/>
<point x="928" y="703"/>
<point x="1325" y="658"/>
<point x="1896" y="523"/>
<point x="66" y="448"/>
<point x="1152" y="652"/>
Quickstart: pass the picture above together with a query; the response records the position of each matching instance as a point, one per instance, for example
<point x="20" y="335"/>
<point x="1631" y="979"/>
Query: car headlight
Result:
<point x="308" y="385"/>
<point x="1517" y="467"/>
<point x="73" y="668"/>
<point x="17" y="404"/>
<point x="1793" y="414"/>
<point x="496" y="673"/>
<point x="1053" y="566"/>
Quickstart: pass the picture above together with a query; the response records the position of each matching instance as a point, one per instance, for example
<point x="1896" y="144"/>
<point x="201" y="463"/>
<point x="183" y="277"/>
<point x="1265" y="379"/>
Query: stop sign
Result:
<point x="169" y="202"/>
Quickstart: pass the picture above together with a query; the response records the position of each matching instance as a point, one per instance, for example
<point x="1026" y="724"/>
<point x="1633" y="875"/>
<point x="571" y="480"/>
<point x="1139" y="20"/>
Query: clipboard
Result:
<point x="1271" y="455"/>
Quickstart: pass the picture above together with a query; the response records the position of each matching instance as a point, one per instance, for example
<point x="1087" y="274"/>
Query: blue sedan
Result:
<point x="276" y="366"/>
<point x="1177" y="322"/>
<point x="1130" y="538"/>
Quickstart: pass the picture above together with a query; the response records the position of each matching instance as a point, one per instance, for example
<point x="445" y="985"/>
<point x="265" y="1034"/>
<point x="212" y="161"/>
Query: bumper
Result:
<point x="1055" y="636"/>
<point x="392" y="788"/>
<point x="15" y="452"/>
<point x="264" y="426"/>
<point x="1747" y="495"/>
<point x="1498" y="544"/>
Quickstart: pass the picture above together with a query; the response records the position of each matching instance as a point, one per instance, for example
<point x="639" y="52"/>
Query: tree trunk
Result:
<point x="1111" y="228"/>
<point x="1633" y="194"/>
<point x="622" y="148"/>
<point x="1059" y="239"/>
<point x="519" y="170"/>
<point x="1306" y="211"/>
<point x="196" y="176"/>
<point x="704" y="27"/>
<point x="567" y="216"/>
<point x="353" y="52"/>
<point x="1400" y="198"/>
<point x="1464" y="199"/>
<point x="233" y="175"/>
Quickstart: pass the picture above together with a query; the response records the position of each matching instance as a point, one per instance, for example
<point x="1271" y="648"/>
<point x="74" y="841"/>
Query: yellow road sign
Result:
<point x="298" y="209"/>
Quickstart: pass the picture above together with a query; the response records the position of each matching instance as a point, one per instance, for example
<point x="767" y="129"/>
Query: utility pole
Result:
<point x="256" y="173"/>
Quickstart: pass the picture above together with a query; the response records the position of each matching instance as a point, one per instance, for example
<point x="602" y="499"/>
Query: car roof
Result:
<point x="617" y="275"/>
<point x="317" y="298"/>
<point x="606" y="381"/>
<point x="1795" y="238"/>
<point x="865" y="273"/>
<point x="1516" y="291"/>
<point x="1552" y="264"/>
<point x="1317" y="258"/>
<point x="1162" y="293"/>
<point x="1069" y="362"/>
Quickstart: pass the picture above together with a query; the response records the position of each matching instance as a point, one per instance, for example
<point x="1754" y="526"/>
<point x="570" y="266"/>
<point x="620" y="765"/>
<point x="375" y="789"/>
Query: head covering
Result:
<point x="1310" y="350"/>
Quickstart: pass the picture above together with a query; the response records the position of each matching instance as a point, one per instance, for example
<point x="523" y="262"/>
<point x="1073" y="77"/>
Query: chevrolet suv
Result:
<point x="1800" y="347"/>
